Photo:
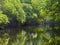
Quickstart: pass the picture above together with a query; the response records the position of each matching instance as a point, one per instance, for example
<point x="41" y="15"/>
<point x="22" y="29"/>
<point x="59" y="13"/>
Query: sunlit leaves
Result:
<point x="14" y="10"/>
<point x="3" y="19"/>
<point x="44" y="12"/>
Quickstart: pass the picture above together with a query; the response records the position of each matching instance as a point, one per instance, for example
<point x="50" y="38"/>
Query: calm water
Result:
<point x="25" y="36"/>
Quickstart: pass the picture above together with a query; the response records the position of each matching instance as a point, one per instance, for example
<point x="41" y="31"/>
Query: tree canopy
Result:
<point x="39" y="20"/>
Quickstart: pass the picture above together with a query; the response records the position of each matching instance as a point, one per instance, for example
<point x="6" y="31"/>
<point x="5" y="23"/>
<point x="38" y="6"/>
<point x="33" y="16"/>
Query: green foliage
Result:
<point x="4" y="41"/>
<point x="20" y="38"/>
<point x="3" y="18"/>
<point x="13" y="9"/>
<point x="25" y="1"/>
<point x="4" y="38"/>
<point x="44" y="12"/>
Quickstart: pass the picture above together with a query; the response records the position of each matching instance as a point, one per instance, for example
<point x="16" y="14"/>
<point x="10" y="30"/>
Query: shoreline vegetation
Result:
<point x="29" y="22"/>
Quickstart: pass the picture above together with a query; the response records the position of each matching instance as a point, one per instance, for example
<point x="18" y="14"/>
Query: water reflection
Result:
<point x="24" y="36"/>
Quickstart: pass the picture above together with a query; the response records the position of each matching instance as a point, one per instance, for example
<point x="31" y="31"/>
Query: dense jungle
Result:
<point x="29" y="22"/>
